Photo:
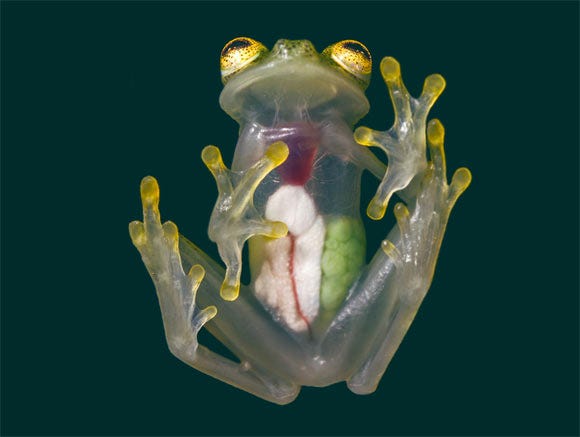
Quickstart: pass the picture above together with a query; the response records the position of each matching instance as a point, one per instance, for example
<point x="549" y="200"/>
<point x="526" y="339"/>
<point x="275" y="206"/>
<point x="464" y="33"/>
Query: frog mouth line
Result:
<point x="291" y="84"/>
<point x="303" y="140"/>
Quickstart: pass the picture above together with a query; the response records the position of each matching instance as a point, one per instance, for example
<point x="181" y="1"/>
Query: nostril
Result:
<point x="281" y="48"/>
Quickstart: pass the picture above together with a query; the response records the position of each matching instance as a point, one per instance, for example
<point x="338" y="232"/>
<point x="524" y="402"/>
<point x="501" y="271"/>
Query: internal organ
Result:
<point x="288" y="280"/>
<point x="303" y="139"/>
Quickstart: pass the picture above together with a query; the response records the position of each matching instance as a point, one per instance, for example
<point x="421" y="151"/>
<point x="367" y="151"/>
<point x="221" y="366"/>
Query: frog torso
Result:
<point x="295" y="95"/>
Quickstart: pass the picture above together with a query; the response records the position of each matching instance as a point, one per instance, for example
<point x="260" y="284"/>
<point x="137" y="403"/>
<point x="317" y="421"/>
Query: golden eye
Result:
<point x="238" y="54"/>
<point x="352" y="56"/>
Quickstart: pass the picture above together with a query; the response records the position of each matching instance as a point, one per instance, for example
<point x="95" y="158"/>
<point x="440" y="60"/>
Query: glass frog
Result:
<point x="315" y="312"/>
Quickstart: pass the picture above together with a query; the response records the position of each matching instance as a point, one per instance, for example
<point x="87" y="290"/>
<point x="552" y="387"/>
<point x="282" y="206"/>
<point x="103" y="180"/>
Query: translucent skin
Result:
<point x="296" y="111"/>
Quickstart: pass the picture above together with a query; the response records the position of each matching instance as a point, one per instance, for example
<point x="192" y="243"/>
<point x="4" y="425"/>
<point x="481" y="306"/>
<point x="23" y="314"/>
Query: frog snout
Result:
<point x="286" y="48"/>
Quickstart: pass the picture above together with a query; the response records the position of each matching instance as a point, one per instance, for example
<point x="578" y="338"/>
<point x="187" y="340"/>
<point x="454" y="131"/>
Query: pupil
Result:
<point x="357" y="47"/>
<point x="236" y="44"/>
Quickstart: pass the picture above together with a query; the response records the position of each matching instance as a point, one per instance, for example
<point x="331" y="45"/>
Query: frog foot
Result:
<point x="404" y="142"/>
<point x="158" y="245"/>
<point x="234" y="218"/>
<point x="421" y="232"/>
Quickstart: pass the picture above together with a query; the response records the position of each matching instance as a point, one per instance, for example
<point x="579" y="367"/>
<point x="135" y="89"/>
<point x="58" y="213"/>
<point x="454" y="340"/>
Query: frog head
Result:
<point x="293" y="81"/>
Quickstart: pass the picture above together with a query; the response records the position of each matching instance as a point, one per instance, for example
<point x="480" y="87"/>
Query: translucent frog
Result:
<point x="315" y="312"/>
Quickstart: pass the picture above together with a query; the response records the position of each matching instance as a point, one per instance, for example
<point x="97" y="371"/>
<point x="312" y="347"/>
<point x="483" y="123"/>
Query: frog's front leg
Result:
<point x="182" y="319"/>
<point x="404" y="143"/>
<point x="234" y="218"/>
<point x="414" y="254"/>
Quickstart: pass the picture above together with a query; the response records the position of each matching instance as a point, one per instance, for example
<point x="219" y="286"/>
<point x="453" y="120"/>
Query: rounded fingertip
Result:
<point x="364" y="136"/>
<point x="170" y="230"/>
<point x="210" y="312"/>
<point x="401" y="212"/>
<point x="137" y="232"/>
<point x="196" y="273"/>
<point x="210" y="155"/>
<point x="277" y="152"/>
<point x="279" y="229"/>
<point x="435" y="132"/>
<point x="376" y="210"/>
<point x="389" y="249"/>
<point x="461" y="179"/>
<point x="230" y="292"/>
<point x="390" y="69"/>
<point x="203" y="316"/>
<point x="434" y="84"/>
<point x="149" y="191"/>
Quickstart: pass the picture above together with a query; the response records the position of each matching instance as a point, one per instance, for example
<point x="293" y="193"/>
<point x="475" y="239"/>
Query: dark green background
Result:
<point x="97" y="95"/>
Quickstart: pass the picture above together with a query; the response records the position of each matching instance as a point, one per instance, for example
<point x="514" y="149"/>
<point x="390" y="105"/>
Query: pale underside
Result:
<point x="358" y="336"/>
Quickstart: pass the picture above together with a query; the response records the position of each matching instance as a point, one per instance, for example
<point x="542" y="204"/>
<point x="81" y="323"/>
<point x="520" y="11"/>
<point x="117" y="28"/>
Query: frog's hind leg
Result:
<point x="177" y="293"/>
<point x="409" y="259"/>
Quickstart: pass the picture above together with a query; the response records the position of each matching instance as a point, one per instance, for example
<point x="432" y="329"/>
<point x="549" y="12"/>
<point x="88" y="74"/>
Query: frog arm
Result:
<point x="411" y="257"/>
<point x="234" y="218"/>
<point x="404" y="143"/>
<point x="159" y="246"/>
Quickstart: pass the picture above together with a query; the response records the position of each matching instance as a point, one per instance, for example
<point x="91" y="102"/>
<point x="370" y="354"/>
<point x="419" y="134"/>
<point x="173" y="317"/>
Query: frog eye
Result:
<point x="238" y="54"/>
<point x="352" y="56"/>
